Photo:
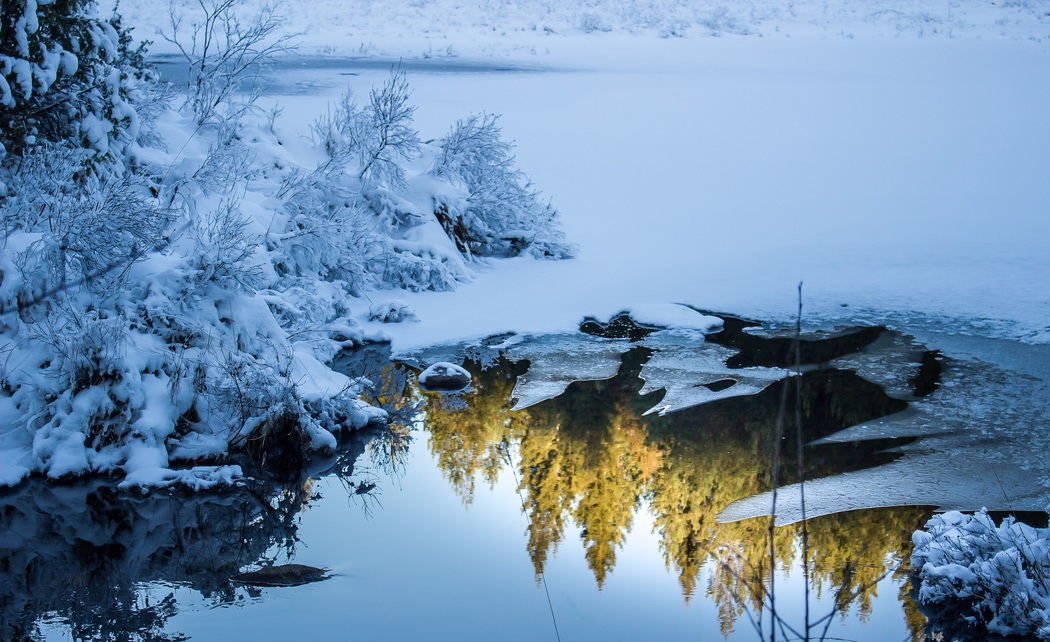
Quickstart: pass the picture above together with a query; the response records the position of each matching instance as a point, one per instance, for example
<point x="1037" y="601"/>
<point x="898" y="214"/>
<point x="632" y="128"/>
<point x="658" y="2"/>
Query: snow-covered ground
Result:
<point x="903" y="183"/>
<point x="890" y="155"/>
<point x="528" y="28"/>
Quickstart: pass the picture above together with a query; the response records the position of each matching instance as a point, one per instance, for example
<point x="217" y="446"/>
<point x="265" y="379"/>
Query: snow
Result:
<point x="444" y="376"/>
<point x="684" y="366"/>
<point x="413" y="29"/>
<point x="886" y="178"/>
<point x="393" y="311"/>
<point x="890" y="157"/>
<point x="984" y="575"/>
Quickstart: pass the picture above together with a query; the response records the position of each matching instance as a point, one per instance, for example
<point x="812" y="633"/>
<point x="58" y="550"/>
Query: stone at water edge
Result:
<point x="283" y="575"/>
<point x="444" y="377"/>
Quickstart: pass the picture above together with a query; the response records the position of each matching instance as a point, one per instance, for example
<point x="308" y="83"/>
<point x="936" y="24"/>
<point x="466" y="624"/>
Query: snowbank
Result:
<point x="978" y="576"/>
<point x="536" y="28"/>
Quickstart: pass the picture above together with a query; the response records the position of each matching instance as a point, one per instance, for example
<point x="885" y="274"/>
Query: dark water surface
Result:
<point x="583" y="515"/>
<point x="308" y="75"/>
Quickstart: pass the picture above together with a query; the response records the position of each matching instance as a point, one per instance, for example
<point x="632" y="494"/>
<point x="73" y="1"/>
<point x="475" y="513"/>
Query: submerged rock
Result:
<point x="621" y="326"/>
<point x="444" y="377"/>
<point x="283" y="575"/>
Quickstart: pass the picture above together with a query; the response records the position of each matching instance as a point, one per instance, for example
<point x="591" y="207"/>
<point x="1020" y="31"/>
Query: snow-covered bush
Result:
<point x="483" y="204"/>
<point x="324" y="230"/>
<point x="378" y="136"/>
<point x="133" y="332"/>
<point x="501" y="214"/>
<point x="87" y="227"/>
<point x="976" y="576"/>
<point x="223" y="249"/>
<point x="66" y="76"/>
<point x="225" y="55"/>
<point x="591" y="21"/>
<point x="179" y="302"/>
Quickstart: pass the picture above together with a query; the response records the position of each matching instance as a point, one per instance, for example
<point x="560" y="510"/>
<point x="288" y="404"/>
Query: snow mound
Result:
<point x="395" y="311"/>
<point x="670" y="315"/>
<point x="979" y="576"/>
<point x="444" y="377"/>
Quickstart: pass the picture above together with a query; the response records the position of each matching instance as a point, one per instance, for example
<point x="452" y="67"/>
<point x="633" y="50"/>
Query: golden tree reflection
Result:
<point x="590" y="457"/>
<point x="467" y="430"/>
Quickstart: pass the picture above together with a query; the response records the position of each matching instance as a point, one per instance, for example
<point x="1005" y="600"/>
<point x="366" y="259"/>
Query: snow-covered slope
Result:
<point x="176" y="300"/>
<point x="434" y="28"/>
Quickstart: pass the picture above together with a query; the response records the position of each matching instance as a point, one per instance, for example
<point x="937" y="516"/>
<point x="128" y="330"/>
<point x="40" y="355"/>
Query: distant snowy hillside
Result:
<point x="434" y="28"/>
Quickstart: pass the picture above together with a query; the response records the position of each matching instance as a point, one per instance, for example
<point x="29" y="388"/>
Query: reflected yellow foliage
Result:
<point x="590" y="457"/>
<point x="590" y="470"/>
<point x="467" y="430"/>
<point x="393" y="391"/>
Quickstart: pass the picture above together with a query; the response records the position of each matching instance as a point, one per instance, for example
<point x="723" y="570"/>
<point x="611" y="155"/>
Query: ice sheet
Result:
<point x="684" y="366"/>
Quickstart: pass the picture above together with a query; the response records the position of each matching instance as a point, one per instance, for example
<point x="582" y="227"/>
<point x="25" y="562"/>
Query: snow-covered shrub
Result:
<point x="976" y="576"/>
<point x="88" y="227"/>
<point x="227" y="164"/>
<point x="325" y="231"/>
<point x="392" y="312"/>
<point x="267" y="417"/>
<point x="224" y="54"/>
<point x="178" y="302"/>
<point x="335" y="129"/>
<point x="364" y="189"/>
<point x="223" y="249"/>
<point x="591" y="21"/>
<point x="66" y="76"/>
<point x="376" y="137"/>
<point x="501" y="214"/>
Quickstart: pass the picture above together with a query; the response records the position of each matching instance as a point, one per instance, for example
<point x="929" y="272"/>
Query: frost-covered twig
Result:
<point x="377" y="137"/>
<point x="223" y="52"/>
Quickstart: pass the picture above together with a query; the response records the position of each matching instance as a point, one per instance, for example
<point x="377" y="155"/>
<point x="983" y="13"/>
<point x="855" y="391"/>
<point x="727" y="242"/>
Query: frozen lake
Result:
<point x="886" y="176"/>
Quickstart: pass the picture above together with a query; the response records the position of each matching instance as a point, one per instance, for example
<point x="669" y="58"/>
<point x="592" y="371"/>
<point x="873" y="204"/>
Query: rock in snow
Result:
<point x="394" y="311"/>
<point x="444" y="377"/>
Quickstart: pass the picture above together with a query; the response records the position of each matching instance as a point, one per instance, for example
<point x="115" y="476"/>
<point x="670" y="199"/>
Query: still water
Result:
<point x="573" y="491"/>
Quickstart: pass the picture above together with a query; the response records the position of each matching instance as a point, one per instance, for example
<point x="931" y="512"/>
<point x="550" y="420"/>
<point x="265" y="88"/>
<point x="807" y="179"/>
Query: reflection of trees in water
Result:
<point x="467" y="430"/>
<point x="106" y="562"/>
<point x="591" y="456"/>
<point x="584" y="454"/>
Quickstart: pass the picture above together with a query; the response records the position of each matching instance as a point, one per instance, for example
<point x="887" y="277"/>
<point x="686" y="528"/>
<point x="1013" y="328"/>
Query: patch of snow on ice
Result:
<point x="555" y="361"/>
<point x="686" y="368"/>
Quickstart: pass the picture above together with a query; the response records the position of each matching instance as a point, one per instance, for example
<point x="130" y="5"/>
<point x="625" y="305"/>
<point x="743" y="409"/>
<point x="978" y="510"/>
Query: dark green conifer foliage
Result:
<point x="66" y="76"/>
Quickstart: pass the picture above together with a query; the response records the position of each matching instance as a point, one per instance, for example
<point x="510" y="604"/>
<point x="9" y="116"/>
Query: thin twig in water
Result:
<point x="796" y="348"/>
<point x="777" y="438"/>
<point x="505" y="447"/>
